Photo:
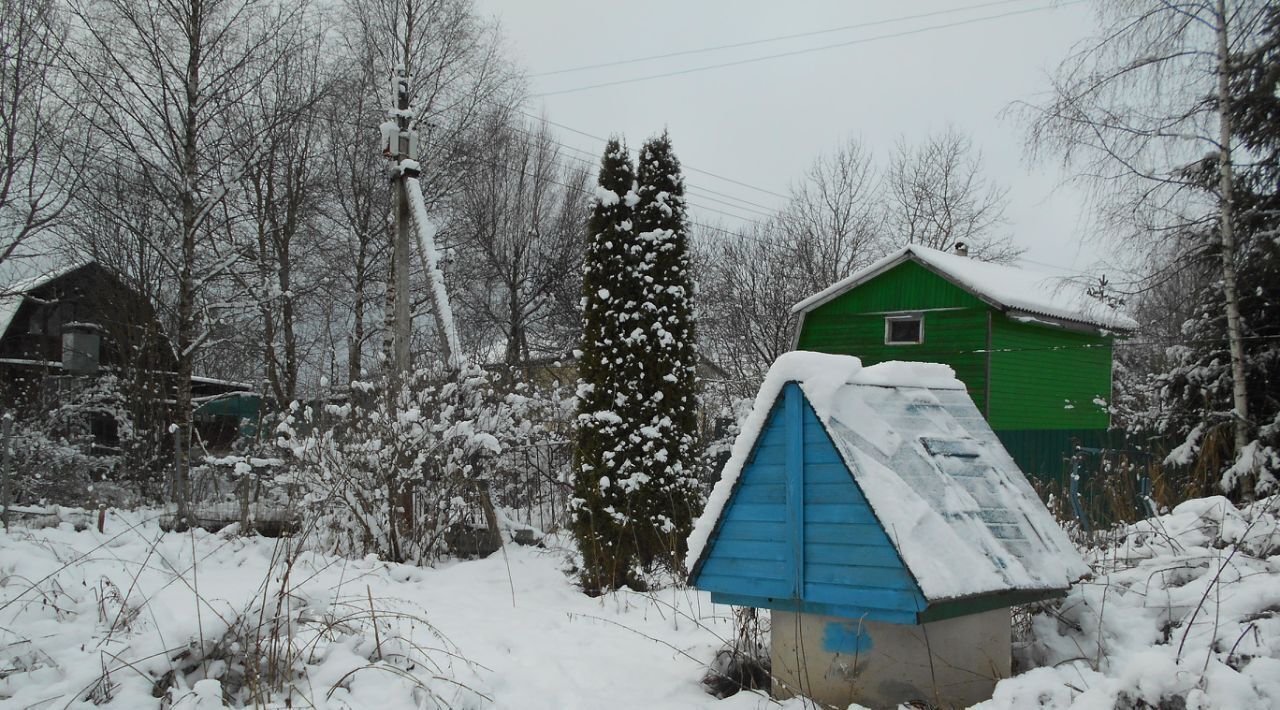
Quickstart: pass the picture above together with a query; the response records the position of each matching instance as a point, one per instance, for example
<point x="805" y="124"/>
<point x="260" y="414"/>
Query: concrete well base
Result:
<point x="838" y="661"/>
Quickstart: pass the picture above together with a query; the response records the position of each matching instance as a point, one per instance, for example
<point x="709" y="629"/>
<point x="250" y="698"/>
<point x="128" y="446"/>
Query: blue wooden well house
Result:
<point x="874" y="511"/>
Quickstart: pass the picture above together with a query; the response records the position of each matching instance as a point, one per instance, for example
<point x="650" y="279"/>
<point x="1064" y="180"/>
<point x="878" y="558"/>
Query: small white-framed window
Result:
<point x="904" y="329"/>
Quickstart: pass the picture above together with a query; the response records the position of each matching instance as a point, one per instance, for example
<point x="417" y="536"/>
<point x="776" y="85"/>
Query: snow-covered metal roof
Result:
<point x="963" y="517"/>
<point x="1007" y="287"/>
<point x="12" y="294"/>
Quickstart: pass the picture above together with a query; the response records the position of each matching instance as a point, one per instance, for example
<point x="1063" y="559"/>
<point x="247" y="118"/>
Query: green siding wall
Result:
<point x="1043" y="453"/>
<point x="1044" y="377"/>
<point x="906" y="286"/>
<point x="853" y="324"/>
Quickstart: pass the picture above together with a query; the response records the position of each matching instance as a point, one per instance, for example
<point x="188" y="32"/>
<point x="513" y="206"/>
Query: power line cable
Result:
<point x="809" y="50"/>
<point x="778" y="38"/>
<point x="590" y="160"/>
<point x="717" y="200"/>
<point x="686" y="166"/>
<point x="589" y="193"/>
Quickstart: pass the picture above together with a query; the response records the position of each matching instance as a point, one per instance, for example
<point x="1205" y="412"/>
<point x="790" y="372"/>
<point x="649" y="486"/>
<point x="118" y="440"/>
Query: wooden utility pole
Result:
<point x="400" y="146"/>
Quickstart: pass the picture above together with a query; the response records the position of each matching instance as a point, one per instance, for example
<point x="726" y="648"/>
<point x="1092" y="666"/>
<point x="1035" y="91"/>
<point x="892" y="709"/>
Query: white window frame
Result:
<point x="888" y="329"/>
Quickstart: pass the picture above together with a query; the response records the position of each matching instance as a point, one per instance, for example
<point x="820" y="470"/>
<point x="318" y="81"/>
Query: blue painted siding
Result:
<point x="749" y="554"/>
<point x="848" y="558"/>
<point x="808" y="540"/>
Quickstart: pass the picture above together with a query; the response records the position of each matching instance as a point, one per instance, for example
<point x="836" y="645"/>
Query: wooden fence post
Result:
<point x="6" y="494"/>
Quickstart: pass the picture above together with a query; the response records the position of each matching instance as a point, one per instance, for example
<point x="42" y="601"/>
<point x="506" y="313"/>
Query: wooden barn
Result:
<point x="1034" y="351"/>
<point x="878" y="516"/>
<point x="63" y="328"/>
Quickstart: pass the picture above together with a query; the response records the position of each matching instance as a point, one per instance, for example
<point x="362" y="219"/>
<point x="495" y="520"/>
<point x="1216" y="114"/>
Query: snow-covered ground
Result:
<point x="509" y="631"/>
<point x="1184" y="612"/>
<point x="1186" y="606"/>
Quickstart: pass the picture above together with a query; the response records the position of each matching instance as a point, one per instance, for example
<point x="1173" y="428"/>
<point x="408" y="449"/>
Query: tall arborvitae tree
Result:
<point x="667" y="386"/>
<point x="605" y="464"/>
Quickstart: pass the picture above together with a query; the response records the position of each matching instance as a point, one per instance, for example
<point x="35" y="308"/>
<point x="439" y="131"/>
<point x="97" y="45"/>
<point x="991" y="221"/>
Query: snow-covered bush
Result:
<point x="403" y="479"/>
<point x="83" y="451"/>
<point x="530" y="479"/>
<point x="244" y="488"/>
<point x="87" y="449"/>
<point x="53" y="469"/>
<point x="1183" y="611"/>
<point x="720" y="431"/>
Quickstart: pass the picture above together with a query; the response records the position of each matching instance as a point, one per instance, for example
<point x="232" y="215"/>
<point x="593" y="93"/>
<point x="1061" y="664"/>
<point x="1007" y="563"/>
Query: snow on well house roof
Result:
<point x="961" y="515"/>
<point x="1007" y="287"/>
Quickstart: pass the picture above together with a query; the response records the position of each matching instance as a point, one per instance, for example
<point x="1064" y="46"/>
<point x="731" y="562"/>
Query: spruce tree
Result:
<point x="1194" y="411"/>
<point x="667" y="385"/>
<point x="1194" y="408"/>
<point x="604" y="462"/>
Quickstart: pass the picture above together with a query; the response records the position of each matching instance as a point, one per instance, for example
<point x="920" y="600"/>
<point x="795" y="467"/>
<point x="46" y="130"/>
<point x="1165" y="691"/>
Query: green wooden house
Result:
<point x="1034" y="351"/>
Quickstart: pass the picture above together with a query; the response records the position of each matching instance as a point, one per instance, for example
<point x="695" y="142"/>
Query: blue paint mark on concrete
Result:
<point x="846" y="637"/>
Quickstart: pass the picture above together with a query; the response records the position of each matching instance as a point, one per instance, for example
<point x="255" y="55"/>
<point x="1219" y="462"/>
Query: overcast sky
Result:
<point x="762" y="123"/>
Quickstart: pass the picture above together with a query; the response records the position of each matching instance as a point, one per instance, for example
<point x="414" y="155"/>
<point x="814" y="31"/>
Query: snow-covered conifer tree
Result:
<point x="635" y="465"/>
<point x="1193" y="383"/>
<point x="604" y="464"/>
<point x="664" y="331"/>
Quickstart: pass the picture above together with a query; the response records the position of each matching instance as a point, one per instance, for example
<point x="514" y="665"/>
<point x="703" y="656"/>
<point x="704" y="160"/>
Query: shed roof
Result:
<point x="12" y="294"/>
<point x="960" y="513"/>
<point x="1007" y="287"/>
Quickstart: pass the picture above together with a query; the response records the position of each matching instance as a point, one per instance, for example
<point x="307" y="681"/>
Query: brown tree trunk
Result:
<point x="289" y="383"/>
<point x="357" y="316"/>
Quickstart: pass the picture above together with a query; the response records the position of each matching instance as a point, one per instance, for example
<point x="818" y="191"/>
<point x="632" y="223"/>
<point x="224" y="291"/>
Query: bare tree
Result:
<point x="831" y="226"/>
<point x="1143" y="111"/>
<point x="168" y="80"/>
<point x="281" y="189"/>
<point x="36" y="147"/>
<point x="517" y="226"/>
<point x="830" y="229"/>
<point x="746" y="290"/>
<point x="938" y="195"/>
<point x="356" y="205"/>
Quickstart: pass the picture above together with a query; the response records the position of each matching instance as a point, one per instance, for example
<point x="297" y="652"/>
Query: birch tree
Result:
<point x="1143" y="111"/>
<point x="169" y="80"/>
